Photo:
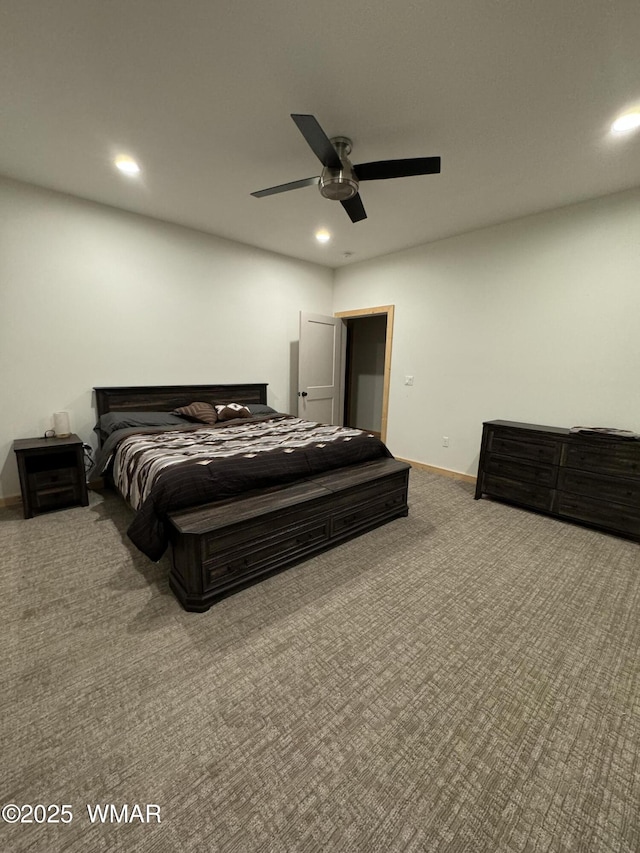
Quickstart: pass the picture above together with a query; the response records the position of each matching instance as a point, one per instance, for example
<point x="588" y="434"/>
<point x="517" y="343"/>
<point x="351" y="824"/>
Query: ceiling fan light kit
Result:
<point x="340" y="180"/>
<point x="339" y="184"/>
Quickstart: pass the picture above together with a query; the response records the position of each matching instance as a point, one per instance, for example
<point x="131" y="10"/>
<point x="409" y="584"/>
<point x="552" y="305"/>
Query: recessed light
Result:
<point x="127" y="165"/>
<point x="323" y="236"/>
<point x="625" y="123"/>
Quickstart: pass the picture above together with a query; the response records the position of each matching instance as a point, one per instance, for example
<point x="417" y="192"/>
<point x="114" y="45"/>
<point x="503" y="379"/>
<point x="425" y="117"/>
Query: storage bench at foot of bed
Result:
<point x="224" y="546"/>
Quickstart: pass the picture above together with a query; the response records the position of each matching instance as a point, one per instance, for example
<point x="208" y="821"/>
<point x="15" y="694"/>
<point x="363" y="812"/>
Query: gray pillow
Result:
<point x="260" y="409"/>
<point x="113" y="421"/>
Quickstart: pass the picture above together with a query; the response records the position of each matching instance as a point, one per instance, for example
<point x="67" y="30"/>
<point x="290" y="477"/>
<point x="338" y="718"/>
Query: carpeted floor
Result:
<point x="465" y="679"/>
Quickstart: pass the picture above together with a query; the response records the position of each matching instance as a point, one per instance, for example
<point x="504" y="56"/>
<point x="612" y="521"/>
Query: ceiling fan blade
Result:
<point x="397" y="168"/>
<point x="317" y="140"/>
<point x="354" y="208"/>
<point x="284" y="188"/>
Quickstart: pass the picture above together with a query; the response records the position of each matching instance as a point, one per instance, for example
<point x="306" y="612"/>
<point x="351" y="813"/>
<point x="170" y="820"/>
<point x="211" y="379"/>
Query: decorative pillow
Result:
<point x="113" y="421"/>
<point x="229" y="411"/>
<point x="204" y="413"/>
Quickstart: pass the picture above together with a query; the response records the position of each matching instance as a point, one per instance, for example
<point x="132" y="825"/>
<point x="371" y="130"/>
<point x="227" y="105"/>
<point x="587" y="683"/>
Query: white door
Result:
<point x="321" y="369"/>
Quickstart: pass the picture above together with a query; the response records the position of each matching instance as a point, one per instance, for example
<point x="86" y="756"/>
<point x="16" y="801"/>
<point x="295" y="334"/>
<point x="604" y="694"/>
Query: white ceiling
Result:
<point x="516" y="96"/>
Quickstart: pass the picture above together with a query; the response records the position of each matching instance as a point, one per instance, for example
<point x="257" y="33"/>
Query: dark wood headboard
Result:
<point x="164" y="398"/>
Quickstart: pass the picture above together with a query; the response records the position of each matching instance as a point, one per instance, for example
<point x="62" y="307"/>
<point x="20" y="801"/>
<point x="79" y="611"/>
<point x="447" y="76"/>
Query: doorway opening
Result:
<point x="369" y="333"/>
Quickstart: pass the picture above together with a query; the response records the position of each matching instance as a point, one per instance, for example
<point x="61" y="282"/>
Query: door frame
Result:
<point x="371" y="312"/>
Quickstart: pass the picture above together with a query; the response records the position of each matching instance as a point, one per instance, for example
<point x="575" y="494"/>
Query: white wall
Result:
<point x="536" y="320"/>
<point x="90" y="295"/>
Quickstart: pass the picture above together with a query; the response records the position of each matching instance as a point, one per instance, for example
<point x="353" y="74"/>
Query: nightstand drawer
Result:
<point x="55" y="498"/>
<point x="52" y="478"/>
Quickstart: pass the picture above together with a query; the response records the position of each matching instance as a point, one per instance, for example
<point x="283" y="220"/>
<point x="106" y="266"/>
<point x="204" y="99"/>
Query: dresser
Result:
<point x="592" y="479"/>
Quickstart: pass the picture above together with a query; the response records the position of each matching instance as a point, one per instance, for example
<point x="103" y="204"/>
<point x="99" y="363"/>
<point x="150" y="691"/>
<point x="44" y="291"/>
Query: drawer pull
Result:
<point x="302" y="540"/>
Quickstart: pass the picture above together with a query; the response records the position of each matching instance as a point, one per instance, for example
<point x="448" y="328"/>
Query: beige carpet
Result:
<point x="465" y="679"/>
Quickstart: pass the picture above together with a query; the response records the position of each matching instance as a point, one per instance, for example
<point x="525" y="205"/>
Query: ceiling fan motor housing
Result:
<point x="339" y="184"/>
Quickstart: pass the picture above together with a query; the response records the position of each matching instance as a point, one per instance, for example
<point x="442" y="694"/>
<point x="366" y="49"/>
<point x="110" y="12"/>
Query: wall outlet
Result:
<point x="445" y="441"/>
<point x="408" y="380"/>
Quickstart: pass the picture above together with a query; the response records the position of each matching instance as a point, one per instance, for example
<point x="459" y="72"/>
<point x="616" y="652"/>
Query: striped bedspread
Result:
<point x="160" y="472"/>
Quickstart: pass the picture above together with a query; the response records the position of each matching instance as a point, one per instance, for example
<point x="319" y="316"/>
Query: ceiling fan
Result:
<point x="340" y="179"/>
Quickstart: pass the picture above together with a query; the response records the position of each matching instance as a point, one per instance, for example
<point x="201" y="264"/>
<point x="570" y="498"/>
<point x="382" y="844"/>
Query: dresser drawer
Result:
<point x="611" y="458"/>
<point x="615" y="517"/>
<point x="622" y="490"/>
<point x="524" y="447"/>
<point x="531" y="472"/>
<point x="529" y="494"/>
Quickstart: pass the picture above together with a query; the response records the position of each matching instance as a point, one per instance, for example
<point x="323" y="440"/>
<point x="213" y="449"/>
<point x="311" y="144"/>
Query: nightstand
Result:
<point x="52" y="473"/>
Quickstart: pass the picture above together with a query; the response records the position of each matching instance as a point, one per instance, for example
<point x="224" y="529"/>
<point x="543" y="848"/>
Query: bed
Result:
<point x="250" y="493"/>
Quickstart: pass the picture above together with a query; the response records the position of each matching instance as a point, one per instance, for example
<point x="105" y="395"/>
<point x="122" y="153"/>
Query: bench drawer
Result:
<point x="262" y="552"/>
<point x="220" y="548"/>
<point x="351" y="520"/>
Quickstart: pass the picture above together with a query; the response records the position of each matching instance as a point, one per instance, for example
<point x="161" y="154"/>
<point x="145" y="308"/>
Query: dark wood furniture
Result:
<point x="52" y="474"/>
<point x="591" y="479"/>
<point x="165" y="398"/>
<point x="221" y="547"/>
